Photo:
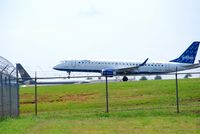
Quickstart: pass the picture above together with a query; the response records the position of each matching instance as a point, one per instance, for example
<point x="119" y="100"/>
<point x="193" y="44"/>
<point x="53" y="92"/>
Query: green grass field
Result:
<point x="135" y="108"/>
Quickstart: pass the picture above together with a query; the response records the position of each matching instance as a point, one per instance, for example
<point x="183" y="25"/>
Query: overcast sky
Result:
<point x="40" y="33"/>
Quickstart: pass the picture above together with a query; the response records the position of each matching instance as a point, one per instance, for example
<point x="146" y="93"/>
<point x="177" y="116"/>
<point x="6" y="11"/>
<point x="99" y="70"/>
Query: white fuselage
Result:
<point x="110" y="68"/>
<point x="98" y="66"/>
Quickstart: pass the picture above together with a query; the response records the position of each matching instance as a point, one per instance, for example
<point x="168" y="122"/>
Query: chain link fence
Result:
<point x="175" y="94"/>
<point x="9" y="91"/>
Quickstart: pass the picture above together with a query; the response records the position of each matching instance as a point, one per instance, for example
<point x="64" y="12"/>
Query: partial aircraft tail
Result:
<point x="189" y="55"/>
<point x="24" y="75"/>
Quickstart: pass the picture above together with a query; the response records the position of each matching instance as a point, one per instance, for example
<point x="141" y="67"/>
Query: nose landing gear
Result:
<point x="69" y="74"/>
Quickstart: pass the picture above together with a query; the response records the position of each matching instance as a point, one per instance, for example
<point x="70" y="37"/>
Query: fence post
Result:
<point x="107" y="107"/>
<point x="10" y="97"/>
<point x="177" y="96"/>
<point x="2" y="109"/>
<point x="10" y="91"/>
<point x="36" y="94"/>
<point x="2" y="100"/>
<point x="17" y="86"/>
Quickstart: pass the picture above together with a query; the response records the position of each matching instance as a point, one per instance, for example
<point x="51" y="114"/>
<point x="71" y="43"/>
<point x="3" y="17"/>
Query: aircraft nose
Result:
<point x="57" y="67"/>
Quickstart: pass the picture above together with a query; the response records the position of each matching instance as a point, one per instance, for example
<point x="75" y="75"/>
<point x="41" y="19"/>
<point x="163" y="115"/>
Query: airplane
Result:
<point x="27" y="80"/>
<point x="110" y="68"/>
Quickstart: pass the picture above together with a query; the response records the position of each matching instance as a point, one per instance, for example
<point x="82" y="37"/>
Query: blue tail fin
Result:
<point x="24" y="75"/>
<point x="189" y="55"/>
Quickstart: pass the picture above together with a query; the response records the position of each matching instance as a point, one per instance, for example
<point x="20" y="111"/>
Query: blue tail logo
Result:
<point x="189" y="55"/>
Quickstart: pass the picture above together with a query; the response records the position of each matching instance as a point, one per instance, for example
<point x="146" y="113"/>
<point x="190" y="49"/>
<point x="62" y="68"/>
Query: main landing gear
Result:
<point x="68" y="75"/>
<point x="125" y="78"/>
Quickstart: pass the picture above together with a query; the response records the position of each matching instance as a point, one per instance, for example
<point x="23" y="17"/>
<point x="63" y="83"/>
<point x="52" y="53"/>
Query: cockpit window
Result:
<point x="62" y="61"/>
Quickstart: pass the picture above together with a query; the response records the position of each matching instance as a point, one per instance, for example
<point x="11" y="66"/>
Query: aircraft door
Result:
<point x="73" y="63"/>
<point x="67" y="64"/>
<point x="167" y="67"/>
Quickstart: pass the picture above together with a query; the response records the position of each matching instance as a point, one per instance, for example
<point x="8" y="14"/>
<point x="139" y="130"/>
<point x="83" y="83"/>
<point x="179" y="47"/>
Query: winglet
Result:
<point x="144" y="62"/>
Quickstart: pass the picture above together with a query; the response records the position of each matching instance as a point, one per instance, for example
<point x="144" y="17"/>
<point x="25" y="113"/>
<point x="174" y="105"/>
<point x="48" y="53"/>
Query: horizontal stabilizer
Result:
<point x="193" y="66"/>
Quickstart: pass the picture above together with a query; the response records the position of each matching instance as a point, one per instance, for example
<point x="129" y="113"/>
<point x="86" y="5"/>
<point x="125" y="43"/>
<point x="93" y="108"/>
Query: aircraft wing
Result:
<point x="131" y="68"/>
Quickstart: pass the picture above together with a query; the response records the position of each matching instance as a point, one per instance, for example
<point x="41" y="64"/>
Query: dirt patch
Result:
<point x="46" y="98"/>
<point x="196" y="111"/>
<point x="78" y="97"/>
<point x="27" y="96"/>
<point x="138" y="97"/>
<point x="193" y="99"/>
<point x="31" y="102"/>
<point x="57" y="98"/>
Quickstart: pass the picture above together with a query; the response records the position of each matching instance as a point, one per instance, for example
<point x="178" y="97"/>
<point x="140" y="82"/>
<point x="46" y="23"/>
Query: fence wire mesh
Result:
<point x="9" y="98"/>
<point x="123" y="96"/>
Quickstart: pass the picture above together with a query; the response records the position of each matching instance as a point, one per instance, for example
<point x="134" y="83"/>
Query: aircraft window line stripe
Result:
<point x="131" y="64"/>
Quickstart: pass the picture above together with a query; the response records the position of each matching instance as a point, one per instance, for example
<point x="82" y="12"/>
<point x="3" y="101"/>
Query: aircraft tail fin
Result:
<point x="24" y="75"/>
<point x="189" y="55"/>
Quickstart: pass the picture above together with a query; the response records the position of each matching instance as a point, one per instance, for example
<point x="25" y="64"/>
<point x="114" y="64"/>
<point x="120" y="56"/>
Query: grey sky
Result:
<point x="40" y="33"/>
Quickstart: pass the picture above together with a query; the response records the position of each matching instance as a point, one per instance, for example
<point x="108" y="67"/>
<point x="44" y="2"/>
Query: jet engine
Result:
<point x="108" y="72"/>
